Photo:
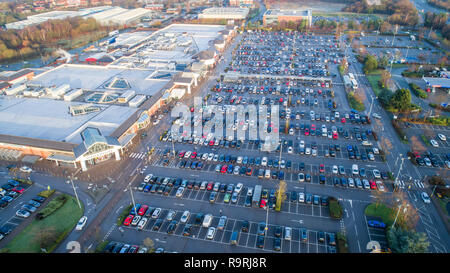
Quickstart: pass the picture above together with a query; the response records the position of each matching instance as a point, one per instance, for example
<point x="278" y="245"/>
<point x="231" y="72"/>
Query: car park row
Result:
<point x="201" y="226"/>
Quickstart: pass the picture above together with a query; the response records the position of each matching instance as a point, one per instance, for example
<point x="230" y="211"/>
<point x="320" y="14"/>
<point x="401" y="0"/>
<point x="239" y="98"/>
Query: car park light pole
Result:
<point x="132" y="199"/>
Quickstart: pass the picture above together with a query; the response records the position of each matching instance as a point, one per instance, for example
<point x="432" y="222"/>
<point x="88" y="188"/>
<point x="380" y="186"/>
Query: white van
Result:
<point x="264" y="161"/>
<point x="287" y="233"/>
<point x="207" y="220"/>
<point x="267" y="174"/>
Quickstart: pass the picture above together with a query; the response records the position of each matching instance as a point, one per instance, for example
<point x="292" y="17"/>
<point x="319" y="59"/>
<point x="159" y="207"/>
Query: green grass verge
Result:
<point x="385" y="213"/>
<point x="354" y="103"/>
<point x="425" y="140"/>
<point x="373" y="80"/>
<point x="60" y="223"/>
<point x="125" y="212"/>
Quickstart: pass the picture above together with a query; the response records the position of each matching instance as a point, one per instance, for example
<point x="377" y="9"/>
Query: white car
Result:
<point x="307" y="151"/>
<point x="22" y="213"/>
<point x="264" y="161"/>
<point x="156" y="213"/>
<point x="142" y="223"/>
<point x="136" y="220"/>
<point x="355" y="170"/>
<point x="302" y="144"/>
<point x="290" y="150"/>
<point x="380" y="186"/>
<point x="180" y="192"/>
<point x="425" y="197"/>
<point x="211" y="232"/>
<point x="187" y="154"/>
<point x="301" y="197"/>
<point x="210" y="156"/>
<point x="301" y="177"/>
<point x="81" y="223"/>
<point x="335" y="169"/>
<point x="26" y="169"/>
<point x="148" y="177"/>
<point x="375" y="115"/>
<point x="238" y="187"/>
<point x="442" y="137"/>
<point x="376" y="173"/>
<point x="434" y="143"/>
<point x="171" y="215"/>
<point x="185" y="217"/>
<point x="351" y="182"/>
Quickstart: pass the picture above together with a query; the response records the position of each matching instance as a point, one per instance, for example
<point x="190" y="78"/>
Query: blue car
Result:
<point x="376" y="224"/>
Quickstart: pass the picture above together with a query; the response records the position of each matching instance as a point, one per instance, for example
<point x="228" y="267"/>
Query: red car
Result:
<point x="211" y="143"/>
<point x="249" y="171"/>
<point x="128" y="220"/>
<point x="18" y="189"/>
<point x="194" y="155"/>
<point x="322" y="168"/>
<point x="263" y="203"/>
<point x="306" y="132"/>
<point x="210" y="186"/>
<point x="343" y="120"/>
<point x="181" y="154"/>
<point x="224" y="169"/>
<point x="335" y="135"/>
<point x="373" y="185"/>
<point x="142" y="210"/>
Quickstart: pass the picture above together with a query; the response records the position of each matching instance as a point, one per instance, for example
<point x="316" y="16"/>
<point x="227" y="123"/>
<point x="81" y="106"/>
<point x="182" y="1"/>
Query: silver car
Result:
<point x="222" y="222"/>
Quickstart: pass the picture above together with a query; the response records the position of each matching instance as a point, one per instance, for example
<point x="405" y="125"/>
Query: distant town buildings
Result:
<point x="272" y="16"/>
<point x="232" y="13"/>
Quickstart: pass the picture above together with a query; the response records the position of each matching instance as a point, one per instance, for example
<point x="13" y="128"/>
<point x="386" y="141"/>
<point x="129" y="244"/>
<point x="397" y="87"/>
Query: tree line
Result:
<point x="443" y="4"/>
<point x="401" y="12"/>
<point x="438" y="21"/>
<point x="35" y="40"/>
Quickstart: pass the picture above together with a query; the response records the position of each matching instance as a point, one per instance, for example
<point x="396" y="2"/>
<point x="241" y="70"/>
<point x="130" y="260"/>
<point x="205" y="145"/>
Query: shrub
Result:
<point x="24" y="181"/>
<point x="47" y="193"/>
<point x="399" y="131"/>
<point x="354" y="103"/>
<point x="124" y="214"/>
<point x="52" y="206"/>
<point x="342" y="243"/>
<point x="443" y="121"/>
<point x="419" y="92"/>
<point x="101" y="246"/>
<point x="336" y="210"/>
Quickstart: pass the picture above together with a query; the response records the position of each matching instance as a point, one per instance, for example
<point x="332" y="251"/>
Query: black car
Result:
<point x="277" y="231"/>
<point x="199" y="219"/>
<point x="261" y="229"/>
<point x="39" y="199"/>
<point x="331" y="238"/>
<point x="110" y="247"/>
<point x="248" y="201"/>
<point x="260" y="241"/>
<point x="187" y="230"/>
<point x="5" y="230"/>
<point x="223" y="188"/>
<point x="117" y="248"/>
<point x="303" y="234"/>
<point x="245" y="226"/>
<point x="157" y="224"/>
<point x="293" y="196"/>
<point x="172" y="227"/>
<point x="321" y="237"/>
<point x="324" y="201"/>
<point x="277" y="244"/>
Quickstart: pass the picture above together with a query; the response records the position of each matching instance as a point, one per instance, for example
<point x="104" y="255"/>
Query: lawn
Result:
<point x="60" y="223"/>
<point x="373" y="80"/>
<point x="385" y="213"/>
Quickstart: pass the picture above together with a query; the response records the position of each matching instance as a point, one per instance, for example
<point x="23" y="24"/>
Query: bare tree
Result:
<point x="149" y="244"/>
<point x="281" y="194"/>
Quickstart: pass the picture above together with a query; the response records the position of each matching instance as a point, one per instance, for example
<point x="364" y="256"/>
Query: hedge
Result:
<point x="342" y="243"/>
<point x="124" y="214"/>
<point x="354" y="103"/>
<point x="336" y="210"/>
<point x="47" y="193"/>
<point x="439" y="107"/>
<point x="419" y="92"/>
<point x="52" y="206"/>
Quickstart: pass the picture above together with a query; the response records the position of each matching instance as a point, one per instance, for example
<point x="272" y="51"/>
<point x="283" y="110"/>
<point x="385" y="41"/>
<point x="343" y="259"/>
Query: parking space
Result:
<point x="247" y="237"/>
<point x="376" y="233"/>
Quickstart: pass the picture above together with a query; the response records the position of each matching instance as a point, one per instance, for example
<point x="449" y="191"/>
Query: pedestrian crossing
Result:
<point x="419" y="184"/>
<point x="137" y="155"/>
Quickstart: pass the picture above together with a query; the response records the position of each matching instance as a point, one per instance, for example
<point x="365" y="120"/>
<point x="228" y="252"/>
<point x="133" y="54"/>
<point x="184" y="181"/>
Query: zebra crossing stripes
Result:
<point x="137" y="155"/>
<point x="419" y="184"/>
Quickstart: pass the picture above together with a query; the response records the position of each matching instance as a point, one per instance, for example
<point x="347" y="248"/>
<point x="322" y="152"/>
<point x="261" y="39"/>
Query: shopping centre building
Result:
<point x="78" y="115"/>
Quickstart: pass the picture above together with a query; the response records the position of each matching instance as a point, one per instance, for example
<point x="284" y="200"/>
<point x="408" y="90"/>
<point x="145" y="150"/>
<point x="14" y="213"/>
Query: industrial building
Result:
<point x="272" y="16"/>
<point x="229" y="13"/>
<point x="78" y="115"/>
